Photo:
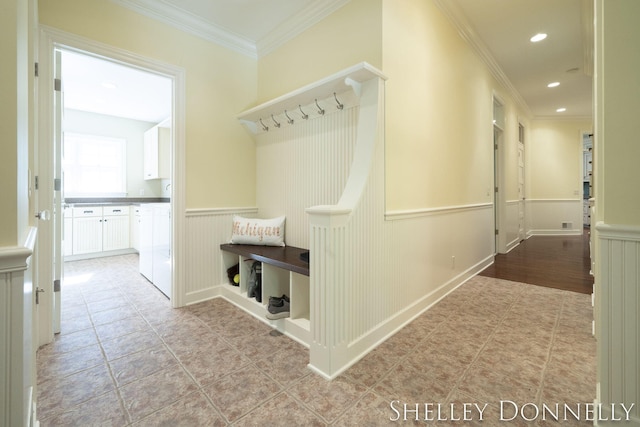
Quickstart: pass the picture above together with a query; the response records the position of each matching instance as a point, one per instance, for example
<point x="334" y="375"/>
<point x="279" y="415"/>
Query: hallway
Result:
<point x="560" y="262"/>
<point x="124" y="357"/>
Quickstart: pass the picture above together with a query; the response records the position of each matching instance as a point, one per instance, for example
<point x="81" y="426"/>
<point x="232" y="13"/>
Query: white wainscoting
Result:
<point x="205" y="231"/>
<point x="511" y="225"/>
<point x="618" y="322"/>
<point x="546" y="216"/>
<point x="17" y="349"/>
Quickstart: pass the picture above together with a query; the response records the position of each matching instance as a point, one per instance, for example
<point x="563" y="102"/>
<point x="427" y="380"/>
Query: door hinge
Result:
<point x="35" y="184"/>
<point x="56" y="285"/>
<point x="57" y="85"/>
<point x="496" y="232"/>
<point x="57" y="184"/>
<point x="496" y="189"/>
<point x="35" y="69"/>
<point x="38" y="291"/>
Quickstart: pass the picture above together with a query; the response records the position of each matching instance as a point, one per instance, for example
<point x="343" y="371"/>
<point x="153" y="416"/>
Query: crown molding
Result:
<point x="296" y="24"/>
<point x="191" y="24"/>
<point x="466" y="31"/>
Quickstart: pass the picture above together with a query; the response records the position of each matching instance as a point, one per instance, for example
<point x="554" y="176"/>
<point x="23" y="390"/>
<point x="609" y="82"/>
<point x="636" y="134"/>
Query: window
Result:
<point x="94" y="166"/>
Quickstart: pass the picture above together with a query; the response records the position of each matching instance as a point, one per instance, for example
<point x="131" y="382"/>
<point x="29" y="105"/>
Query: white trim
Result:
<point x="56" y="38"/>
<point x="219" y="211"/>
<point x="16" y="258"/>
<point x="199" y="27"/>
<point x="297" y="24"/>
<point x="556" y="232"/>
<point x="553" y="200"/>
<point x="618" y="231"/>
<point x="466" y="31"/>
<point x="417" y="213"/>
<point x="191" y="24"/>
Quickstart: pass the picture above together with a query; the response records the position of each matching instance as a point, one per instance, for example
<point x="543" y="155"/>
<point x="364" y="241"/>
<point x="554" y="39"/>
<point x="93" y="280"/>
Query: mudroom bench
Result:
<point x="285" y="271"/>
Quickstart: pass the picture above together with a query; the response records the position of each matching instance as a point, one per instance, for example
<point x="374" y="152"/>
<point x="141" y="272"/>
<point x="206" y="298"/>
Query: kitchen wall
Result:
<point x="117" y="127"/>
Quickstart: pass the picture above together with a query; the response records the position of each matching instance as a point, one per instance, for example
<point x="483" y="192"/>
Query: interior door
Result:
<point x="58" y="193"/>
<point x="49" y="263"/>
<point x="521" y="197"/>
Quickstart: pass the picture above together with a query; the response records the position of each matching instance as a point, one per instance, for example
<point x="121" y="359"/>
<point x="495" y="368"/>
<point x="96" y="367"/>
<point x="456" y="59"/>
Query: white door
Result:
<point x="521" y="197"/>
<point x="58" y="193"/>
<point x="49" y="185"/>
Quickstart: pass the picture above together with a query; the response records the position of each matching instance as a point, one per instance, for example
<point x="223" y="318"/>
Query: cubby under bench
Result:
<point x="283" y="272"/>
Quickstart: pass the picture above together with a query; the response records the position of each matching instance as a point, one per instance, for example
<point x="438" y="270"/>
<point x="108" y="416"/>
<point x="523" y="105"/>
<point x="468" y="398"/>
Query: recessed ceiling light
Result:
<point x="561" y="110"/>
<point x="554" y="84"/>
<point x="109" y="85"/>
<point x="538" y="37"/>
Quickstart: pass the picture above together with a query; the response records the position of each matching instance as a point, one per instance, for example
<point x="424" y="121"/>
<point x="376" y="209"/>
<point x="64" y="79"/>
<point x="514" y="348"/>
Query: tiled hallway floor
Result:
<point x="124" y="357"/>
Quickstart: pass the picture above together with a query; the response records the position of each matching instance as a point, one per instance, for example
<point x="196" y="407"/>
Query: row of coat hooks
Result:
<point x="304" y="116"/>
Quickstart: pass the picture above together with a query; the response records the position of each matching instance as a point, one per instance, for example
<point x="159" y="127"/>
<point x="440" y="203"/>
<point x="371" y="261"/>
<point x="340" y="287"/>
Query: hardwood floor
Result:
<point x="560" y="262"/>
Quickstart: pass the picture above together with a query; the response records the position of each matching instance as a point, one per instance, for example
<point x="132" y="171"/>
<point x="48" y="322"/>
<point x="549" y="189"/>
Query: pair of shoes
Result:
<point x="278" y="307"/>
<point x="278" y="300"/>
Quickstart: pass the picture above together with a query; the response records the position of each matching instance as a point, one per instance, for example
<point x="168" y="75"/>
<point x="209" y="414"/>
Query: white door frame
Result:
<point x="50" y="39"/>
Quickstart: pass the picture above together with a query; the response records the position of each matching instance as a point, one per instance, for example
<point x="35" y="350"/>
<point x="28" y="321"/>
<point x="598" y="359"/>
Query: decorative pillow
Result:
<point x="254" y="231"/>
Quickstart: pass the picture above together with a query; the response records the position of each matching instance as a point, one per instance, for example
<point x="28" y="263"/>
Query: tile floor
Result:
<point x="124" y="357"/>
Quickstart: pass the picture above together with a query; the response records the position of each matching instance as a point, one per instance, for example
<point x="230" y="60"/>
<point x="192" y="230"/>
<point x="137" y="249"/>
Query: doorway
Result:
<point x="50" y="253"/>
<point x="499" y="206"/>
<point x="116" y="126"/>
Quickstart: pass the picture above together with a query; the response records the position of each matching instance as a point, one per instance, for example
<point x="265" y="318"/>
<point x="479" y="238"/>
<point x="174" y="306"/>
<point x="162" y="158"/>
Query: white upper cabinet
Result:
<point x="157" y="152"/>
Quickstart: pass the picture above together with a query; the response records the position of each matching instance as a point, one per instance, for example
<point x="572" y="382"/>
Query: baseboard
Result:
<point x="556" y="232"/>
<point x="202" y="295"/>
<point x="401" y="319"/>
<point x="100" y="254"/>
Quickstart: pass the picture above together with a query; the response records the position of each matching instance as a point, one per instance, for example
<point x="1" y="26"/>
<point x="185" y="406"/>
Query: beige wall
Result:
<point x="15" y="81"/>
<point x="438" y="96"/>
<point x="347" y="37"/>
<point x="220" y="154"/>
<point x="439" y="113"/>
<point x="554" y="157"/>
<point x="618" y="102"/>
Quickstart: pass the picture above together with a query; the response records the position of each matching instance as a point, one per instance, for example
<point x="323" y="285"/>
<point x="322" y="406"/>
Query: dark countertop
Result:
<point x="286" y="257"/>
<point x="101" y="201"/>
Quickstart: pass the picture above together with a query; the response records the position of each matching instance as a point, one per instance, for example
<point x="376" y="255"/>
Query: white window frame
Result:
<point x="70" y="164"/>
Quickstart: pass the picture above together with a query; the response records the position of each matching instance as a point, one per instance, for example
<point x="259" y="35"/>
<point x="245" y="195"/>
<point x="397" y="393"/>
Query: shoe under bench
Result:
<point x="283" y="272"/>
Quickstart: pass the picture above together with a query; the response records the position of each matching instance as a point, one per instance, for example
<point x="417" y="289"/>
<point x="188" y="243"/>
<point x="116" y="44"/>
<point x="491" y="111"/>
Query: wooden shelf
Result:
<point x="285" y="257"/>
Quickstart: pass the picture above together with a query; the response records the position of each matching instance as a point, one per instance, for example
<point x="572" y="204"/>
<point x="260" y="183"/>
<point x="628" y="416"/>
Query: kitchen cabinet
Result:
<point x="115" y="228"/>
<point x="157" y="146"/>
<point x="99" y="229"/>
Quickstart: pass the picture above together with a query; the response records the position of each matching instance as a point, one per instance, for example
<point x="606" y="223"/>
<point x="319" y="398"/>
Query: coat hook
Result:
<point x="264" y="127"/>
<point x="275" y="123"/>
<point x="340" y="106"/>
<point x="320" y="110"/>
<point x="304" y="116"/>
<point x="289" y="119"/>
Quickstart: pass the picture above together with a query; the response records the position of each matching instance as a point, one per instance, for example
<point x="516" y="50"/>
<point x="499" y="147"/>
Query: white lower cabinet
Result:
<point x="98" y="229"/>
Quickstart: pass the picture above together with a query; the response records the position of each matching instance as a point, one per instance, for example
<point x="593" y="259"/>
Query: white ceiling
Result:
<point x="104" y="87"/>
<point x="498" y="29"/>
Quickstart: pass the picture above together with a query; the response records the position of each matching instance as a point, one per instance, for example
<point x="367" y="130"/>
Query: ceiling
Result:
<point x="499" y="30"/>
